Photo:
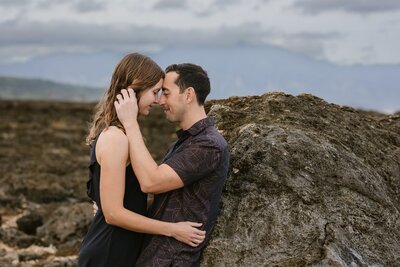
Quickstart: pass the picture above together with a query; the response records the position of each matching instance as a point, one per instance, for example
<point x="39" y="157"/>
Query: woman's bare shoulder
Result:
<point x="114" y="132"/>
<point x="112" y="138"/>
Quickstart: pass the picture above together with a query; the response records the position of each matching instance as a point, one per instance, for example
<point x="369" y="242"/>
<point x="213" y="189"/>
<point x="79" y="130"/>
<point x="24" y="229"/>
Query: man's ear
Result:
<point x="190" y="95"/>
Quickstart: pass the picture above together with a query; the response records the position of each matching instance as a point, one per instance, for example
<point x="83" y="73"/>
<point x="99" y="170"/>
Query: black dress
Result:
<point x="108" y="245"/>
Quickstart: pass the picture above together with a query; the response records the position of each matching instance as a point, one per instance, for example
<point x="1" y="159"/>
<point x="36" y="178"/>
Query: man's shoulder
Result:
<point x="212" y="137"/>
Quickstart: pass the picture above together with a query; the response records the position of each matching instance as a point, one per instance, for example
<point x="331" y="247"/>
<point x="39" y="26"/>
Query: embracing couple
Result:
<point x="187" y="185"/>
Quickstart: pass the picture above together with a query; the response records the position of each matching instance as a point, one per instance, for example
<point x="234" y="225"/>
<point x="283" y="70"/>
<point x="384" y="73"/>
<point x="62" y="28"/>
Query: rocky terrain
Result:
<point x="44" y="90"/>
<point x="44" y="210"/>
<point x="311" y="183"/>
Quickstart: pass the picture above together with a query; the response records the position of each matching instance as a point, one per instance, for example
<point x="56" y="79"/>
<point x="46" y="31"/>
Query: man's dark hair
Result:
<point x="191" y="75"/>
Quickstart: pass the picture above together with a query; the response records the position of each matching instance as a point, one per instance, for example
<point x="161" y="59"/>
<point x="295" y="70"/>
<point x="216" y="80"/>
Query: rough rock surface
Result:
<point x="66" y="223"/>
<point x="312" y="184"/>
<point x="43" y="173"/>
<point x="29" y="223"/>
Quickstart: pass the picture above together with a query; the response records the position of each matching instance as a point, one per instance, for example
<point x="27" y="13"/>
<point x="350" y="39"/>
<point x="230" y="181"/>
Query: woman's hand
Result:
<point x="187" y="232"/>
<point x="127" y="107"/>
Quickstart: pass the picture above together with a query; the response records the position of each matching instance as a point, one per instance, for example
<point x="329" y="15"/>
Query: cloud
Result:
<point x="22" y="40"/>
<point x="306" y="43"/>
<point x="19" y="39"/>
<point x="12" y="3"/>
<point x="217" y="6"/>
<point x="77" y="5"/>
<point x="89" y="6"/>
<point x="226" y="3"/>
<point x="170" y="4"/>
<point x="352" y="6"/>
<point x="201" y="9"/>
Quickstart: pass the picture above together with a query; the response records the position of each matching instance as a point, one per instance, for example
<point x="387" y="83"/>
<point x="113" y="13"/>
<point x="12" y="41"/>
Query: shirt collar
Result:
<point x="196" y="128"/>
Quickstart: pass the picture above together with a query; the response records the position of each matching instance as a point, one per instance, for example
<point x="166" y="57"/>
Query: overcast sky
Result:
<point x="344" y="51"/>
<point x="339" y="31"/>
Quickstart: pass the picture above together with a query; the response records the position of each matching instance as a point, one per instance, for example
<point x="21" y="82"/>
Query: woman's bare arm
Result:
<point x="112" y="154"/>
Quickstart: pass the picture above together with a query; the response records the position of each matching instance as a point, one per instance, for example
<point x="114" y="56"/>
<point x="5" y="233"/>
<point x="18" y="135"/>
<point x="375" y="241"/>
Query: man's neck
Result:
<point x="192" y="117"/>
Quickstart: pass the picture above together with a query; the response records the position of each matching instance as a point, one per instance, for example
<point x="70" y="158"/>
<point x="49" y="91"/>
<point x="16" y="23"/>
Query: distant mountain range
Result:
<point x="38" y="89"/>
<point x="234" y="71"/>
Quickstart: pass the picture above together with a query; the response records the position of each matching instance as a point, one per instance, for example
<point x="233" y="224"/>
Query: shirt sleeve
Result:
<point x="197" y="160"/>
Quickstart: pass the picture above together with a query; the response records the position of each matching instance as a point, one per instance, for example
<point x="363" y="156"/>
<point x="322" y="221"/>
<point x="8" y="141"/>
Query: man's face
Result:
<point x="171" y="100"/>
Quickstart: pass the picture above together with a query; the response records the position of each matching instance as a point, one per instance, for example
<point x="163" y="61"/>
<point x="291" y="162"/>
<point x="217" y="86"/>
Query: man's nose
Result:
<point x="161" y="100"/>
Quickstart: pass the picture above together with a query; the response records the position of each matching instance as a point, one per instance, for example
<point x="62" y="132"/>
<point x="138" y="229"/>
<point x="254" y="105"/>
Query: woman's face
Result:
<point x="148" y="98"/>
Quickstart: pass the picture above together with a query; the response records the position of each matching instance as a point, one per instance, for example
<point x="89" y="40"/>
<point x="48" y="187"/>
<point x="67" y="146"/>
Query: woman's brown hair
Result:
<point x="136" y="71"/>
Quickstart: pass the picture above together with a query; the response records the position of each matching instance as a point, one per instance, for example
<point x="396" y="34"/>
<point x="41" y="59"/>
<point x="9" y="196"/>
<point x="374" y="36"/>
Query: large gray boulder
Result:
<point x="312" y="184"/>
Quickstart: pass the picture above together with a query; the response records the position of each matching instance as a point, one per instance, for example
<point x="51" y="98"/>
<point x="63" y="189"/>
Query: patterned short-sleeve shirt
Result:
<point x="200" y="157"/>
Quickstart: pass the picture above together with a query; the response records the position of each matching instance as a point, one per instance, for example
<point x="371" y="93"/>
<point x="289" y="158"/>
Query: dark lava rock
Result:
<point x="61" y="263"/>
<point x="31" y="256"/>
<point x="6" y="259"/>
<point x="15" y="238"/>
<point x="68" y="222"/>
<point x="50" y="164"/>
<point x="312" y="184"/>
<point x="29" y="223"/>
<point x="69" y="248"/>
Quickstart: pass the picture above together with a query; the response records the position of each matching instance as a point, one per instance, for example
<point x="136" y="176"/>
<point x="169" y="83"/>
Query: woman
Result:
<point x="115" y="235"/>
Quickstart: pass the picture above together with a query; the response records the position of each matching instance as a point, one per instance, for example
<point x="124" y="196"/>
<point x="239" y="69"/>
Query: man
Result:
<point x="189" y="182"/>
